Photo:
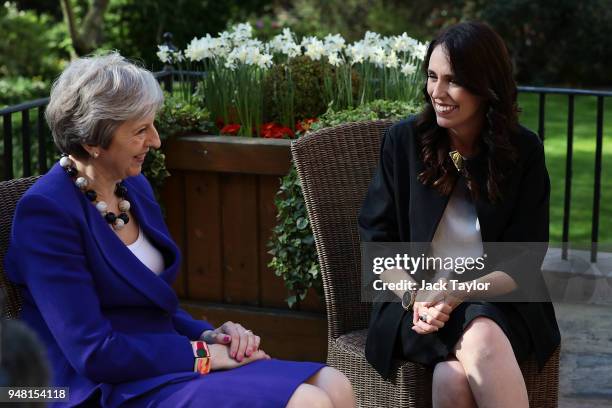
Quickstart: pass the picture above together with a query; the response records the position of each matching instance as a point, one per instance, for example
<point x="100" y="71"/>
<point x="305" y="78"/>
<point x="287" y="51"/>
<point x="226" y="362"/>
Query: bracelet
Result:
<point x="201" y="353"/>
<point x="202" y="365"/>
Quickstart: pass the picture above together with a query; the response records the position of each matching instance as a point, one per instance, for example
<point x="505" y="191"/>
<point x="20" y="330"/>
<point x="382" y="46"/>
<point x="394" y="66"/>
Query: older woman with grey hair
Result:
<point x="96" y="279"/>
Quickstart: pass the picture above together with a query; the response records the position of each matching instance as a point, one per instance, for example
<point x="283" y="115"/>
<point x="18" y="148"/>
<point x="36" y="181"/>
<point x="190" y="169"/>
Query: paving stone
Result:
<point x="585" y="378"/>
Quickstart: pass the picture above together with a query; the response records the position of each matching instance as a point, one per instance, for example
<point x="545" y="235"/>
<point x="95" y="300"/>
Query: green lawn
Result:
<point x="585" y="111"/>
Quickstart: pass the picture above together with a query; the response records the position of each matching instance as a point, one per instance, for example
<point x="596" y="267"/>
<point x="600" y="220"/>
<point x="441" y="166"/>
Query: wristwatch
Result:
<point x="409" y="298"/>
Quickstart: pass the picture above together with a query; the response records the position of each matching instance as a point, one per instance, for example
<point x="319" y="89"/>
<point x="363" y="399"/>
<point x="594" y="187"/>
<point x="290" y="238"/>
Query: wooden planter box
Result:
<point x="220" y="210"/>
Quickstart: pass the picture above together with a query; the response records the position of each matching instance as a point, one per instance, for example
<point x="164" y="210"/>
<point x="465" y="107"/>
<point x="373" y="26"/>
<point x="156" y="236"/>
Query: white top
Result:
<point x="150" y="256"/>
<point x="458" y="233"/>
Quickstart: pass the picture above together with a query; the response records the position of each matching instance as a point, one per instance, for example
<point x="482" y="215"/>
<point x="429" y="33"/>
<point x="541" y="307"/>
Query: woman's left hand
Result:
<point x="242" y="341"/>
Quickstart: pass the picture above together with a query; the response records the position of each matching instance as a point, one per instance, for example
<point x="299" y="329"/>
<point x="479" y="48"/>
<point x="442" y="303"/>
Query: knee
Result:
<point x="307" y="395"/>
<point x="339" y="388"/>
<point x="481" y="341"/>
<point x="450" y="385"/>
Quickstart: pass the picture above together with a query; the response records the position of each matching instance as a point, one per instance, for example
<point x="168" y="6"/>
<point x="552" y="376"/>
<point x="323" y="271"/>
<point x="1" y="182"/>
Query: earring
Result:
<point x="95" y="154"/>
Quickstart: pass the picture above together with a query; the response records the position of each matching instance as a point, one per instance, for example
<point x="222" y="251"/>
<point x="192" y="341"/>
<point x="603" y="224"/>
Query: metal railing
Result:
<point x="168" y="76"/>
<point x="571" y="93"/>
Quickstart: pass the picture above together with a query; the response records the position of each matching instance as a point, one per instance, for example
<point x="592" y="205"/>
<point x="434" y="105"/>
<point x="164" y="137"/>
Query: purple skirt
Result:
<point x="264" y="383"/>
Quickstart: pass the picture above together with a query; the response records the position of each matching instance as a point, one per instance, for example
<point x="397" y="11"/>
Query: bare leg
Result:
<point x="450" y="387"/>
<point x="307" y="395"/>
<point x="336" y="386"/>
<point x="492" y="371"/>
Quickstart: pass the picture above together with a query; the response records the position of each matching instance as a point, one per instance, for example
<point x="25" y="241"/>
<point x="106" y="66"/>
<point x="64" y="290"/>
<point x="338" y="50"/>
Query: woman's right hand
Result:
<point x="222" y="360"/>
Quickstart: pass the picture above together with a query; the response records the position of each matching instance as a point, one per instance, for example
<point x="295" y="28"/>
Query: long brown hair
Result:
<point x="481" y="64"/>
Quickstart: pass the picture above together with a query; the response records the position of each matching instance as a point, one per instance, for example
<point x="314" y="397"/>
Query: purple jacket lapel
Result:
<point x="120" y="258"/>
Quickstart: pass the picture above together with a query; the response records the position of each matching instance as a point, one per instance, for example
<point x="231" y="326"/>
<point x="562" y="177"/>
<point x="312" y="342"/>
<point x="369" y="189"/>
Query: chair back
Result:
<point x="10" y="192"/>
<point x="335" y="167"/>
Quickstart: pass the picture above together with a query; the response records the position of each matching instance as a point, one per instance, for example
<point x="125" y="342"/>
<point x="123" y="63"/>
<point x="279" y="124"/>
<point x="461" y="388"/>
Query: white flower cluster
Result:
<point x="285" y="44"/>
<point x="248" y="55"/>
<point x="169" y="56"/>
<point x="389" y="52"/>
<point x="238" y="46"/>
<point x="200" y="49"/>
<point x="230" y="48"/>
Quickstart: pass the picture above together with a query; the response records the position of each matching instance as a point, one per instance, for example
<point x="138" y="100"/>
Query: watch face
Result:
<point x="406" y="299"/>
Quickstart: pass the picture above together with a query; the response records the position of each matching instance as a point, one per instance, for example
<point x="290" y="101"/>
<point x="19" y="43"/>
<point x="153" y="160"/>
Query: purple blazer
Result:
<point x="110" y="325"/>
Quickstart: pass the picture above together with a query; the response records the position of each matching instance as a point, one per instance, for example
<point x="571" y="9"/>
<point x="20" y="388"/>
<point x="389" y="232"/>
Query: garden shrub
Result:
<point x="307" y="79"/>
<point x="179" y="117"/>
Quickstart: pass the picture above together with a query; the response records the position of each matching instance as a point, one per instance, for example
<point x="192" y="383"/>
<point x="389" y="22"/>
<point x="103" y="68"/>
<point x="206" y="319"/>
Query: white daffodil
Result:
<point x="356" y="52"/>
<point x="392" y="61"/>
<point x="264" y="61"/>
<point x="279" y="41"/>
<point x="291" y="50"/>
<point x="334" y="43"/>
<point x="408" y="69"/>
<point x="385" y="43"/>
<point x="221" y="47"/>
<point x="371" y="38"/>
<point x="254" y="43"/>
<point x="163" y="53"/>
<point x="377" y="55"/>
<point x="200" y="48"/>
<point x="240" y="33"/>
<point x="238" y="54"/>
<point x="334" y="59"/>
<point x="314" y="48"/>
<point x="284" y="43"/>
<point x="420" y="51"/>
<point x="404" y="43"/>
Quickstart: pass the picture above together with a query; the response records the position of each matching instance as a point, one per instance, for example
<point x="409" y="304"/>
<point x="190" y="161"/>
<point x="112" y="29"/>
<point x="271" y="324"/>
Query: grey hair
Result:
<point x="95" y="95"/>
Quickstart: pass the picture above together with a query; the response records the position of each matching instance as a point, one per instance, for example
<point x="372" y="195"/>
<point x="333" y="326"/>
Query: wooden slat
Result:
<point x="312" y="302"/>
<point x="273" y="291"/>
<point x="288" y="335"/>
<point x="203" y="223"/>
<point x="229" y="154"/>
<point x="173" y="197"/>
<point x="239" y="232"/>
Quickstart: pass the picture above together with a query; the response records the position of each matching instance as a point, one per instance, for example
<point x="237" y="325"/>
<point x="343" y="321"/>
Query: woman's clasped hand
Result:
<point x="432" y="309"/>
<point x="231" y="345"/>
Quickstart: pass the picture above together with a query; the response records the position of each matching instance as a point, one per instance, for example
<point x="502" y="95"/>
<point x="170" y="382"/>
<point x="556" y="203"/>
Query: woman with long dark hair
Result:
<point x="461" y="174"/>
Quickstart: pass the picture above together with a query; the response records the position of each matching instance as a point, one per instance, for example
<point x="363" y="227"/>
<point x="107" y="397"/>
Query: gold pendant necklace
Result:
<point x="457" y="159"/>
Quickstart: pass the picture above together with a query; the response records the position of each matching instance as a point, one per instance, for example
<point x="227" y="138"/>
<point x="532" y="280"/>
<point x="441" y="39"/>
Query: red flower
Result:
<point x="231" y="129"/>
<point x="285" y="131"/>
<point x="275" y="131"/>
<point x="267" y="129"/>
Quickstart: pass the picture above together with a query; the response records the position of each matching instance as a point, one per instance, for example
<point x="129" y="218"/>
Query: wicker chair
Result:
<point x="10" y="192"/>
<point x="335" y="166"/>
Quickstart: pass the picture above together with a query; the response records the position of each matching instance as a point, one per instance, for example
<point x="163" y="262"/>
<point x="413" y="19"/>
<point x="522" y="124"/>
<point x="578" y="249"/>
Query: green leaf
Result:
<point x="302" y="223"/>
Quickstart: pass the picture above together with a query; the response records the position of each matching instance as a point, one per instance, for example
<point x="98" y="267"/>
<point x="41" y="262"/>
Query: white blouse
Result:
<point x="458" y="233"/>
<point x="146" y="252"/>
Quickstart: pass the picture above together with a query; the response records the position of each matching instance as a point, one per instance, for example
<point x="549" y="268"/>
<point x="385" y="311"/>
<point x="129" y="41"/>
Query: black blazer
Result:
<point x="399" y="208"/>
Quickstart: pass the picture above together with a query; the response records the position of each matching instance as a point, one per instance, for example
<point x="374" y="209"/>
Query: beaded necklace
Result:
<point x="116" y="221"/>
